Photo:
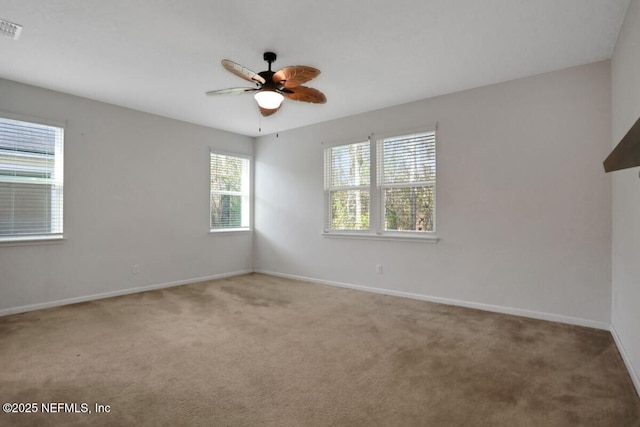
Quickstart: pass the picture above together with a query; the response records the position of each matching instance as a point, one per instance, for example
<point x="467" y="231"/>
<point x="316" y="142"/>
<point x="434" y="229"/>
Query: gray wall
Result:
<point x="523" y="204"/>
<point x="625" y="317"/>
<point x="136" y="193"/>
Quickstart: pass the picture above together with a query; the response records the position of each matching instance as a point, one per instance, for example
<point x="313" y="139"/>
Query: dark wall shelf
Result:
<point x="627" y="152"/>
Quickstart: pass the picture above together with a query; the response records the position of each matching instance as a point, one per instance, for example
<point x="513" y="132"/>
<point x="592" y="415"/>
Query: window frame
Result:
<point x="376" y="193"/>
<point x="56" y="215"/>
<point x="381" y="187"/>
<point x="247" y="209"/>
<point x="329" y="188"/>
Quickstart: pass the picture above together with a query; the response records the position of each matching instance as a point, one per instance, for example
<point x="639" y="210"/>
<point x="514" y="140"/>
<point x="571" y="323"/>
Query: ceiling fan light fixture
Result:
<point x="269" y="99"/>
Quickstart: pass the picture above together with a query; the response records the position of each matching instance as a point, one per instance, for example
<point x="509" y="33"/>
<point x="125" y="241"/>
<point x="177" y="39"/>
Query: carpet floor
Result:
<point x="258" y="350"/>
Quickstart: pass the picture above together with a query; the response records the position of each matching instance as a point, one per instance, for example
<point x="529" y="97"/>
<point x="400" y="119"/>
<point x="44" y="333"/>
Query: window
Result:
<point x="347" y="176"/>
<point x="407" y="181"/>
<point x="395" y="198"/>
<point x="31" y="180"/>
<point x="230" y="192"/>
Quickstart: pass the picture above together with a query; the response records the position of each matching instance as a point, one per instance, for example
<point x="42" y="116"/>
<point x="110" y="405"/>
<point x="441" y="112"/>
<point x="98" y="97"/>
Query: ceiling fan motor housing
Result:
<point x="269" y="57"/>
<point x="268" y="75"/>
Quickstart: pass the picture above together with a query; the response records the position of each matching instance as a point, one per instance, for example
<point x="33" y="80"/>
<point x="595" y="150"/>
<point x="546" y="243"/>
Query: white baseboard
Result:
<point x="460" y="303"/>
<point x="627" y="361"/>
<point x="486" y="307"/>
<point x="58" y="303"/>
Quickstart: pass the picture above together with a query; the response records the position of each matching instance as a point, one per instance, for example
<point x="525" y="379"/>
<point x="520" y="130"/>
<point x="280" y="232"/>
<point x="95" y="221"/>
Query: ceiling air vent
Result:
<point x="9" y="29"/>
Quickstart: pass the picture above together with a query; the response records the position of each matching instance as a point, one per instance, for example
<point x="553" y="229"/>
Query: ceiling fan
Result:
<point x="272" y="87"/>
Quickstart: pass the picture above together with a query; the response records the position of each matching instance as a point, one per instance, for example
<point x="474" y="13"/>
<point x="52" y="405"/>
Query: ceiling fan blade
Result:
<point x="242" y="72"/>
<point x="232" y="91"/>
<point x="267" y="112"/>
<point x="295" y="75"/>
<point x="305" y="94"/>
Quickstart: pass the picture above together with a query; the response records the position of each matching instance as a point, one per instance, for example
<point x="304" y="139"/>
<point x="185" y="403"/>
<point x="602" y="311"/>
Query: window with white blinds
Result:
<point x="347" y="186"/>
<point x="31" y="180"/>
<point x="230" y="192"/>
<point x="396" y="197"/>
<point x="407" y="181"/>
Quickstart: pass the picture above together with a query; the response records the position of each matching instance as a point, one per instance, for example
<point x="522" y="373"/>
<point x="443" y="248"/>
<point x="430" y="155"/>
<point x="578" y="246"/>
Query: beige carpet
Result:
<point x="257" y="350"/>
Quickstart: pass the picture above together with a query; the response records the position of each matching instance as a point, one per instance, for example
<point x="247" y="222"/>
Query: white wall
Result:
<point x="136" y="192"/>
<point x="625" y="67"/>
<point x="523" y="203"/>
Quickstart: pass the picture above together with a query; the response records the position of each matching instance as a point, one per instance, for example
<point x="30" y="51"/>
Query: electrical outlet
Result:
<point x="379" y="269"/>
<point x="135" y="269"/>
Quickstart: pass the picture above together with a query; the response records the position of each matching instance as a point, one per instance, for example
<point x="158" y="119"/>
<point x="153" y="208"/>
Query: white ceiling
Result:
<point x="161" y="56"/>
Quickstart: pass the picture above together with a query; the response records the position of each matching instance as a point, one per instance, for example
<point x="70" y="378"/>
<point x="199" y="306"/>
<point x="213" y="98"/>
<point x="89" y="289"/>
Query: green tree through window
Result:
<point x="407" y="178"/>
<point x="397" y="196"/>
<point x="347" y="183"/>
<point x="230" y="192"/>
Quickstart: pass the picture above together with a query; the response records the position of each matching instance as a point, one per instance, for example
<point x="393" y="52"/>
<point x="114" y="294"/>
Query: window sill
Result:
<point x="229" y="230"/>
<point x="31" y="240"/>
<point x="431" y="238"/>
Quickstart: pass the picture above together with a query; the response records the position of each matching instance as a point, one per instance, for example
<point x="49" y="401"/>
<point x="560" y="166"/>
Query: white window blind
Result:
<point x="31" y="180"/>
<point x="347" y="186"/>
<point x="407" y="181"/>
<point x="230" y="192"/>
